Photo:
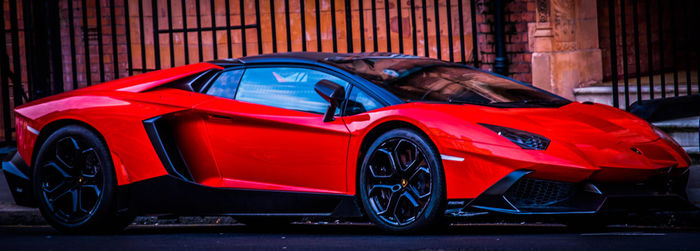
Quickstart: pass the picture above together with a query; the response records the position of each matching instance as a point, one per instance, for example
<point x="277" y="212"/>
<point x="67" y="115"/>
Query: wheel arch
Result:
<point x="55" y="125"/>
<point x="377" y="131"/>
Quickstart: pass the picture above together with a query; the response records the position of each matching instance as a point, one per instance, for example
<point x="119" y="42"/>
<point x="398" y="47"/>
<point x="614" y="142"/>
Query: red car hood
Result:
<point x="605" y="137"/>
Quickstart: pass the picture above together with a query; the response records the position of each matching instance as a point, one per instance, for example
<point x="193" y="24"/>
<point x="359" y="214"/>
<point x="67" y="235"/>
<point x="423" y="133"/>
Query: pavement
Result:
<point x="350" y="237"/>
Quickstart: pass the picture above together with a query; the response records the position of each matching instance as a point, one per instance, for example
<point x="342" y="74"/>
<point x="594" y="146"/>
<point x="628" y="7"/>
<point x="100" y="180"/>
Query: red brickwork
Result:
<point x="518" y="13"/>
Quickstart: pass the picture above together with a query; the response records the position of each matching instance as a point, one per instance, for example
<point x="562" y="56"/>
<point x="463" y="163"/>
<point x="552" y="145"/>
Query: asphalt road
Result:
<point x="350" y="237"/>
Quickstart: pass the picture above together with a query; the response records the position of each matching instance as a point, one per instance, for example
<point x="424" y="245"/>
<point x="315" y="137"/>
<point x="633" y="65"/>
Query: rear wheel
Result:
<point x="401" y="182"/>
<point x="75" y="183"/>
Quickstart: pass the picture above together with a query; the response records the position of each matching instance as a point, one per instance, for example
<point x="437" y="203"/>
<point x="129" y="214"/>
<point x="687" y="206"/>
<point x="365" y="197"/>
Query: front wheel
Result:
<point x="401" y="182"/>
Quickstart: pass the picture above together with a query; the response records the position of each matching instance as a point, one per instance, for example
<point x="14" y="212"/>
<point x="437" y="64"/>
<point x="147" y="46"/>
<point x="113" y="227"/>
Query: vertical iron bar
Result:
<point x="426" y="47"/>
<point x="475" y="47"/>
<point x="71" y="33"/>
<point x="86" y="43"/>
<point x="688" y="36"/>
<point x="302" y="13"/>
<point x="662" y="71"/>
<point x="348" y="25"/>
<point x="288" y="25"/>
<point x="625" y="73"/>
<point x="185" y="38"/>
<point x="400" y="23"/>
<point x="319" y="46"/>
<point x="499" y="62"/>
<point x="4" y="83"/>
<point x="387" y="23"/>
<point x="637" y="61"/>
<point x="697" y="50"/>
<point x="613" y="52"/>
<point x="212" y="11"/>
<point x="229" y="43"/>
<point x="127" y="26"/>
<point x="333" y="24"/>
<point x="461" y="31"/>
<point x="258" y="25"/>
<point x="650" y="55"/>
<point x="17" y="89"/>
<point x="100" y="46"/>
<point x="449" y="30"/>
<point x="28" y="50"/>
<point x="142" y="37"/>
<point x="244" y="41"/>
<point x="273" y="25"/>
<point x="198" y="10"/>
<point x="362" y="25"/>
<point x="115" y="51"/>
<point x="156" y="36"/>
<point x="55" y="49"/>
<point x="674" y="50"/>
<point x="414" y="30"/>
<point x="374" y="25"/>
<point x="436" y="6"/>
<point x="171" y="43"/>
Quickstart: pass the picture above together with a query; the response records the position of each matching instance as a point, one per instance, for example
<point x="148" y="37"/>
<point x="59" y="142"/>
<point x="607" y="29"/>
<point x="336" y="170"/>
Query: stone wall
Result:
<point x="564" y="41"/>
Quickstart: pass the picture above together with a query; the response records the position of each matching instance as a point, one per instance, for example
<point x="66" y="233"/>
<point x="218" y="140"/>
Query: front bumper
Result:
<point x="519" y="193"/>
<point x="17" y="174"/>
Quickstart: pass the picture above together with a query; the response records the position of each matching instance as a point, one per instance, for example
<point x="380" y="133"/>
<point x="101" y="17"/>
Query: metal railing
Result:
<point x="109" y="39"/>
<point x="657" y="28"/>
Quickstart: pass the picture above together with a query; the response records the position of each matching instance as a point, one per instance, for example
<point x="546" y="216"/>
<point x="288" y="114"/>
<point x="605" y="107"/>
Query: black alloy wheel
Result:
<point x="71" y="184"/>
<point x="402" y="182"/>
<point x="75" y="183"/>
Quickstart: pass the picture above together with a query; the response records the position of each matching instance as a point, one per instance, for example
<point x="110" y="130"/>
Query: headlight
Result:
<point x="664" y="135"/>
<point x="526" y="140"/>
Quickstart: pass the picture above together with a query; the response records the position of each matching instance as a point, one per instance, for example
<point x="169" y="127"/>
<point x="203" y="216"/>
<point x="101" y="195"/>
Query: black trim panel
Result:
<point x="161" y="137"/>
<point x="18" y="175"/>
<point x="660" y="193"/>
<point x="171" y="195"/>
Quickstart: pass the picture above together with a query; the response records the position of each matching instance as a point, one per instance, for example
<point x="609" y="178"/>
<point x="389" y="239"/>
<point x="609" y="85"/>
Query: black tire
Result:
<point x="408" y="197"/>
<point x="75" y="184"/>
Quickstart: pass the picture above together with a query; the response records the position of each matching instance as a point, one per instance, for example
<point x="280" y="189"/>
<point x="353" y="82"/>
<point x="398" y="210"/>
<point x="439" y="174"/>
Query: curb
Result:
<point x="11" y="214"/>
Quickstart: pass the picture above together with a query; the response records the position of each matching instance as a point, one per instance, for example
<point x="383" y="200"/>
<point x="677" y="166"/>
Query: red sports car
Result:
<point x="404" y="141"/>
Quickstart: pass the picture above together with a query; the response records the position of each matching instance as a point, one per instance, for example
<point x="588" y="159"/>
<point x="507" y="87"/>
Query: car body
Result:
<point x="180" y="147"/>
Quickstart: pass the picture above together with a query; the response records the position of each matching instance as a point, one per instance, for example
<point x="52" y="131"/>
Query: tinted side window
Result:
<point x="285" y="87"/>
<point x="360" y="102"/>
<point x="225" y="85"/>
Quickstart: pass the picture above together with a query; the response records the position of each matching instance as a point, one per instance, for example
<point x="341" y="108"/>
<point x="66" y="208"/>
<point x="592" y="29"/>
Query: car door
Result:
<point x="267" y="131"/>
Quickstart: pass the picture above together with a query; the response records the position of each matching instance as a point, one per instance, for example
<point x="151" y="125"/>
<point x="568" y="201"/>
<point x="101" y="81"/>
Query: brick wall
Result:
<point x="518" y="13"/>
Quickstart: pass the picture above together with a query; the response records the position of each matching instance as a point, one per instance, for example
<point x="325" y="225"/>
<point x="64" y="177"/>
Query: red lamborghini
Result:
<point x="404" y="141"/>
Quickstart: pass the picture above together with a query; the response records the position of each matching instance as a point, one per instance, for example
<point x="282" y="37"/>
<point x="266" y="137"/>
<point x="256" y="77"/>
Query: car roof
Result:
<point x="318" y="57"/>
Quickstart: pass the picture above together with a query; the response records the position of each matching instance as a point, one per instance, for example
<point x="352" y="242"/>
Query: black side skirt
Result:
<point x="171" y="195"/>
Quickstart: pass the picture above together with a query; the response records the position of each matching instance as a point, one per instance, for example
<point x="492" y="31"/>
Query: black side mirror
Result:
<point x="333" y="93"/>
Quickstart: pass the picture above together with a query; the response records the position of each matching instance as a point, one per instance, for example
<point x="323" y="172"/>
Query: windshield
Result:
<point x="429" y="80"/>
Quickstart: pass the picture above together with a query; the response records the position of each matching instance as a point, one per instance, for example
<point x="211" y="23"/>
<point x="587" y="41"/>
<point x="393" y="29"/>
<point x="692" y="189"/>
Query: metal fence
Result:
<point x="60" y="45"/>
<point x="654" y="49"/>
